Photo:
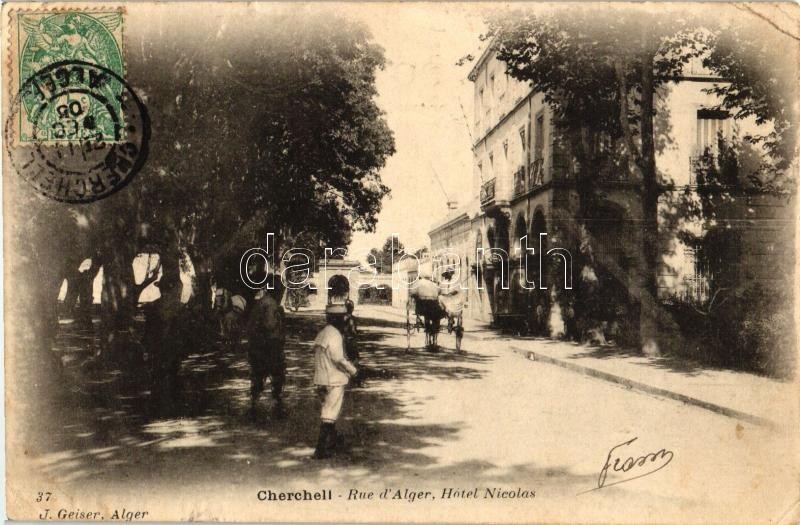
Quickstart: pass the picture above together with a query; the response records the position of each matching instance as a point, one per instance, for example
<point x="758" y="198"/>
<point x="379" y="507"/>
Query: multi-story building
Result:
<point x="524" y="183"/>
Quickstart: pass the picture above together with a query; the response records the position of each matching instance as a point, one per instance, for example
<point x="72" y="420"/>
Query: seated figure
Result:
<point x="451" y="296"/>
<point x="425" y="294"/>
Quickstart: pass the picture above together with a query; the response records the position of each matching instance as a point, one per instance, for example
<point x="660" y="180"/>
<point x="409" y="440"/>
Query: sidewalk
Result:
<point x="739" y="395"/>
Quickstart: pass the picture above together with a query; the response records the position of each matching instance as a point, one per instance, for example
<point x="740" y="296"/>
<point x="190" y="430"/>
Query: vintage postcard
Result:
<point x="401" y="262"/>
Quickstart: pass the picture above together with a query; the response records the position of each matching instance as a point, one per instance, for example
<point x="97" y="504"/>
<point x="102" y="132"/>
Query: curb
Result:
<point x="648" y="389"/>
<point x="641" y="387"/>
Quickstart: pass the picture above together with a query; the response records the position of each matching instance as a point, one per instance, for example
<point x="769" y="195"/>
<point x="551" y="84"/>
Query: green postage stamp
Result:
<point x="45" y="39"/>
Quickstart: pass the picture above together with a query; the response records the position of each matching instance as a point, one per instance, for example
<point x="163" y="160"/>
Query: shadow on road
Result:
<point x="104" y="433"/>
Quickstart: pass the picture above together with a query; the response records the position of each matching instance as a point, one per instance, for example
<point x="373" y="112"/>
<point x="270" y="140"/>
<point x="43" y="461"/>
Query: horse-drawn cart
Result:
<point x="424" y="312"/>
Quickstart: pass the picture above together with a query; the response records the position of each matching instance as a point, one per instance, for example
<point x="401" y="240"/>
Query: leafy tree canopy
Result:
<point x="391" y="250"/>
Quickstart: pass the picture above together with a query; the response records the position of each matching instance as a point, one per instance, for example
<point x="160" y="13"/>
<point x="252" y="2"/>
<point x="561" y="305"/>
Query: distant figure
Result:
<point x="165" y="344"/>
<point x="265" y="349"/>
<point x="451" y="296"/>
<point x="332" y="372"/>
<point x="221" y="300"/>
<point x="232" y="321"/>
<point x="351" y="340"/>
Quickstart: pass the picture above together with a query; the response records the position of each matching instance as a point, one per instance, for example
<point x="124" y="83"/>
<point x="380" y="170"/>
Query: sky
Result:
<point x="426" y="97"/>
<point x="424" y="94"/>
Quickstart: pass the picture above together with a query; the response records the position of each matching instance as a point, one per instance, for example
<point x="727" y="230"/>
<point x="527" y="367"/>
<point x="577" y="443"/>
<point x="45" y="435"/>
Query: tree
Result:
<point x="599" y="71"/>
<point x="391" y="251"/>
<point x="262" y="132"/>
<point x="761" y="84"/>
<point x="306" y="139"/>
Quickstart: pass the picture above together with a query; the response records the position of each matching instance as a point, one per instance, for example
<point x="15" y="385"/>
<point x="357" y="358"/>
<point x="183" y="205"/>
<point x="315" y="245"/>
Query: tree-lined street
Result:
<point x="483" y="418"/>
<point x="602" y="203"/>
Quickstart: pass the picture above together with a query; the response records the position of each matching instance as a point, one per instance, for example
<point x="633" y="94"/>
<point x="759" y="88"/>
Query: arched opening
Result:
<point x="477" y="263"/>
<point x="502" y="277"/>
<point x="519" y="293"/>
<point x="538" y="226"/>
<point x="501" y="234"/>
<point x="488" y="273"/>
<point x="520" y="230"/>
<point x="537" y="274"/>
<point x="338" y="289"/>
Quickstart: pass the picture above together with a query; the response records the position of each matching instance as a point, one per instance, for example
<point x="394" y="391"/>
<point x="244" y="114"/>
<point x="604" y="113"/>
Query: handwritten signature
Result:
<point x="631" y="465"/>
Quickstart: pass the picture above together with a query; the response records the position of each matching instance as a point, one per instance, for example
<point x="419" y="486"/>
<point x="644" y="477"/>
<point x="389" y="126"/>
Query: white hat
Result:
<point x="239" y="303"/>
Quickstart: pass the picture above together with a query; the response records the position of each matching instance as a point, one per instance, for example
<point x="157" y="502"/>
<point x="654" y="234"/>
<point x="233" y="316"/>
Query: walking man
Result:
<point x="332" y="372"/>
<point x="265" y="350"/>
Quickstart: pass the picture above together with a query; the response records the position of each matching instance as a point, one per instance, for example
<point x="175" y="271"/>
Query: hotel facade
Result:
<point x="524" y="184"/>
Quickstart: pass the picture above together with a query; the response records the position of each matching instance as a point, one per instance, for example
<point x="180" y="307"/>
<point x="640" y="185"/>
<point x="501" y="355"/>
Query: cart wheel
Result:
<point x="408" y="330"/>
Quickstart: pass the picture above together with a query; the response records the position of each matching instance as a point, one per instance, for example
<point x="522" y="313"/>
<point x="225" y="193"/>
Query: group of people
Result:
<point x="335" y="355"/>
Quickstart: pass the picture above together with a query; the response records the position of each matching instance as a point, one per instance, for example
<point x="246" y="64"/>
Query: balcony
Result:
<point x="488" y="192"/>
<point x="536" y="174"/>
<point x="612" y="173"/>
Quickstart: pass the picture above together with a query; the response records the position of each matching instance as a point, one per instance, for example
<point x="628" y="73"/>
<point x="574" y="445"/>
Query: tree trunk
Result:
<point x="202" y="289"/>
<point x="576" y="317"/>
<point x="648" y="314"/>
<point x="31" y="303"/>
<point x="120" y="294"/>
<point x="73" y="277"/>
<point x="85" y="285"/>
<point x="203" y="277"/>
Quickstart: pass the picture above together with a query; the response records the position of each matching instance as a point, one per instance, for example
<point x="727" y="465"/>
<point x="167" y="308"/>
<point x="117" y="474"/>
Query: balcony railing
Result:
<point x="613" y="174"/>
<point x="487" y="191"/>
<point x="536" y="174"/>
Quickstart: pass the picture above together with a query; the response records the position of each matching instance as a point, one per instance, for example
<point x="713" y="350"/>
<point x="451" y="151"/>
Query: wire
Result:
<point x="469" y="130"/>
<point x="436" y="175"/>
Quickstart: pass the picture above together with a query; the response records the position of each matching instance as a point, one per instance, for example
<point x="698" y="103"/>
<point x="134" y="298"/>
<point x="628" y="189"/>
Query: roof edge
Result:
<point x="473" y="73"/>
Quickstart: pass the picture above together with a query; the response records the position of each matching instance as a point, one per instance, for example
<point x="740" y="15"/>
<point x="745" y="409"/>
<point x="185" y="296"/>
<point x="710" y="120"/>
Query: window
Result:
<point x="712" y="125"/>
<point x="539" y="136"/>
<point x="480" y="170"/>
<point x="478" y="106"/>
<point x="696" y="276"/>
<point x="491" y="162"/>
<point x="505" y="148"/>
<point x="523" y="147"/>
<point x="491" y="85"/>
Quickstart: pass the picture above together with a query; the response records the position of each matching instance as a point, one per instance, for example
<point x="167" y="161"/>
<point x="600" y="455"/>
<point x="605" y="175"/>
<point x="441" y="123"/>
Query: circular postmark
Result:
<point x="77" y="132"/>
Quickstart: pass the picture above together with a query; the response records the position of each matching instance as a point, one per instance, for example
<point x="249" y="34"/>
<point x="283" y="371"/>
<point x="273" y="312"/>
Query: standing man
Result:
<point x="165" y="344"/>
<point x="232" y="322"/>
<point x="332" y="372"/>
<point x="265" y="352"/>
